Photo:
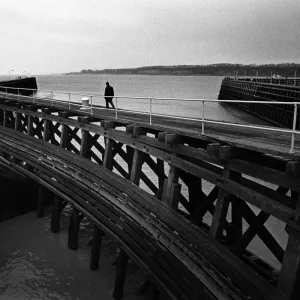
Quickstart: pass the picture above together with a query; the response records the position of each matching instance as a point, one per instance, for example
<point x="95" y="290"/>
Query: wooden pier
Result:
<point x="144" y="185"/>
<point x="252" y="89"/>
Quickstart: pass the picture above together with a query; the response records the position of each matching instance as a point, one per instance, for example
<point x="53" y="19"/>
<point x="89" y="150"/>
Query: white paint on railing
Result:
<point x="294" y="128"/>
<point x="150" y="111"/>
<point x="116" y="110"/>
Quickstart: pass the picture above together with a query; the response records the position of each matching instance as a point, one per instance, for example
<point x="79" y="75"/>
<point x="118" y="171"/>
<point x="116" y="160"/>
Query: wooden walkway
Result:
<point x="191" y="241"/>
<point x="275" y="143"/>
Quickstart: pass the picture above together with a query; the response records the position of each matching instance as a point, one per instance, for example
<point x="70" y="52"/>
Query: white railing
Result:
<point x="85" y="103"/>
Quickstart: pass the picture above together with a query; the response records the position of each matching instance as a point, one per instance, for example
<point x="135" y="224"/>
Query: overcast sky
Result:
<point x="53" y="36"/>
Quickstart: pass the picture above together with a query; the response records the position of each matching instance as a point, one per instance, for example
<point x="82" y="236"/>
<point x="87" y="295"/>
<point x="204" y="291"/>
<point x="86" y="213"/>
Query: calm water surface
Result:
<point x="36" y="264"/>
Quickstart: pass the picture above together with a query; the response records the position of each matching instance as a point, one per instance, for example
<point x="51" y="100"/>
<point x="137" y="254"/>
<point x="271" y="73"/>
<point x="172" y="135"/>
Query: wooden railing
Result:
<point x="176" y="203"/>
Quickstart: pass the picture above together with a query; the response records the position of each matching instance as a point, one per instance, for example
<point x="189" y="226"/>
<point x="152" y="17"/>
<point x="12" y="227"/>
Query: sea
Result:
<point x="37" y="264"/>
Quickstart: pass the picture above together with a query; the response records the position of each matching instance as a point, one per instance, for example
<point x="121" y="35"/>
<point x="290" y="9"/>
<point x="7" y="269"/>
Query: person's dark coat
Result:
<point x="109" y="93"/>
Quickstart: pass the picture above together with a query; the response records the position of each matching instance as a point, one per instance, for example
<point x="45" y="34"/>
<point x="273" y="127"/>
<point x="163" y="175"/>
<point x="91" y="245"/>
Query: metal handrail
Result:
<point x="92" y="106"/>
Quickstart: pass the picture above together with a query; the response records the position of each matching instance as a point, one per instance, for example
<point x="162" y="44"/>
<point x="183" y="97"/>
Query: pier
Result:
<point x="269" y="90"/>
<point x="140" y="179"/>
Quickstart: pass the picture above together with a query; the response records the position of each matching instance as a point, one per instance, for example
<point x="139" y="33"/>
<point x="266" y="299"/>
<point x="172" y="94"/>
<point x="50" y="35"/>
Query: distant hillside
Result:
<point x="285" y="70"/>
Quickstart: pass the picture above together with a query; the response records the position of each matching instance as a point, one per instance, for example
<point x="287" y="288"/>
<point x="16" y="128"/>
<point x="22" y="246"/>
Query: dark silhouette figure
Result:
<point x="109" y="95"/>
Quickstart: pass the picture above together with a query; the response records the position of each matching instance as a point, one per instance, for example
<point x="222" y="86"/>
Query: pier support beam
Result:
<point x="64" y="136"/>
<point x="219" y="218"/>
<point x="84" y="146"/>
<point x="96" y="248"/>
<point x="18" y="121"/>
<point x="57" y="207"/>
<point x="121" y="269"/>
<point x="5" y="118"/>
<point x="75" y="219"/>
<point x="172" y="189"/>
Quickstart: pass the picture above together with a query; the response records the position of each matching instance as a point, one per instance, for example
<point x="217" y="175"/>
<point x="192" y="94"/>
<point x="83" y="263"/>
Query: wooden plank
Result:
<point x="157" y="212"/>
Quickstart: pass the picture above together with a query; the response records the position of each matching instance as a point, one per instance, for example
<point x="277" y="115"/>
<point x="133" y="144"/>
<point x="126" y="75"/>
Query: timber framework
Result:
<point x="184" y="206"/>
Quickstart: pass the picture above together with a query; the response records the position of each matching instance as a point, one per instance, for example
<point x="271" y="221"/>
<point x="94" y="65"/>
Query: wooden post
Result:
<point x="96" y="248"/>
<point x="137" y="162"/>
<point x="171" y="192"/>
<point x="84" y="146"/>
<point x="74" y="225"/>
<point x="108" y="154"/>
<point x="161" y="173"/>
<point x="5" y="118"/>
<point x="57" y="208"/>
<point x="289" y="277"/>
<point x="236" y="225"/>
<point x="129" y="150"/>
<point x="121" y="268"/>
<point x="109" y="145"/>
<point x="194" y="185"/>
<point x="47" y="130"/>
<point x="219" y="218"/>
<point x="30" y="129"/>
<point x="64" y="139"/>
<point x="138" y="159"/>
<point x="18" y="121"/>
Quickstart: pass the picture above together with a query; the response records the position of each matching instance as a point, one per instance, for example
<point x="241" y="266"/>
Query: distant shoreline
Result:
<point x="84" y="74"/>
<point x="284" y="70"/>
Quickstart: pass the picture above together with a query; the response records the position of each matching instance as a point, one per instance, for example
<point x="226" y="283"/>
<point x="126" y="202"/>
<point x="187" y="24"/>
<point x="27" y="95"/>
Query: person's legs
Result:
<point x="107" y="106"/>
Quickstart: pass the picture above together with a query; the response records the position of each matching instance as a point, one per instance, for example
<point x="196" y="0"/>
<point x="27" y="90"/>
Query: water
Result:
<point x="180" y="87"/>
<point x="36" y="264"/>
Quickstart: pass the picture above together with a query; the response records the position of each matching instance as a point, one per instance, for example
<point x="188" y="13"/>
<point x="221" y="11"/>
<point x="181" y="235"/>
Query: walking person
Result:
<point x="109" y="95"/>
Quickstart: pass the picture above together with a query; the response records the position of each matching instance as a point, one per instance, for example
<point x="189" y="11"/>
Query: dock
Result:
<point x="191" y="242"/>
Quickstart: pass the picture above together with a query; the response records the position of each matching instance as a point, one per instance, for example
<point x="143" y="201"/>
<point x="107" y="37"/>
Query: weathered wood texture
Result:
<point x="189" y="239"/>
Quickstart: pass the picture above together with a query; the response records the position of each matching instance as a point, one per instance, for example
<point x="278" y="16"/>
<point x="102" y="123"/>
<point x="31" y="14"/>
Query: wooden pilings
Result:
<point x="57" y="207"/>
<point x="74" y="225"/>
<point x="96" y="248"/>
<point x="121" y="269"/>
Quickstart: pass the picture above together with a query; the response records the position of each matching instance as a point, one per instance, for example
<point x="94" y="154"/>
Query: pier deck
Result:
<point x="144" y="184"/>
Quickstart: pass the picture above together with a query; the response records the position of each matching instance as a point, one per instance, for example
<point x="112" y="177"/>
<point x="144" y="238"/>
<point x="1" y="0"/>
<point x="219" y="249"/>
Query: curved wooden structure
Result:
<point x="144" y="186"/>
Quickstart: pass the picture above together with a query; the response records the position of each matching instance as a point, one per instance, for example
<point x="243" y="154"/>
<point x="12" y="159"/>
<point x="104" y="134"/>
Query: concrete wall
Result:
<point x="24" y="83"/>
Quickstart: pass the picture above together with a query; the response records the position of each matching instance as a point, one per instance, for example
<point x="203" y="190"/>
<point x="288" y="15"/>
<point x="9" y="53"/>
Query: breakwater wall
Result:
<point x="254" y="90"/>
<point x="24" y="83"/>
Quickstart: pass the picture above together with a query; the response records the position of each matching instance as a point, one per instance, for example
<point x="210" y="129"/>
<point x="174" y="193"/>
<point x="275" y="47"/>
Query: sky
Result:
<point x="58" y="36"/>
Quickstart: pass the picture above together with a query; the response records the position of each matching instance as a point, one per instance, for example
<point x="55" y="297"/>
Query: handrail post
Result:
<point x="91" y="104"/>
<point x="6" y="93"/>
<point x="18" y="95"/>
<point x="202" y="116"/>
<point x="150" y="111"/>
<point x="52" y="97"/>
<point x="116" y="110"/>
<point x="69" y="100"/>
<point x="294" y="128"/>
